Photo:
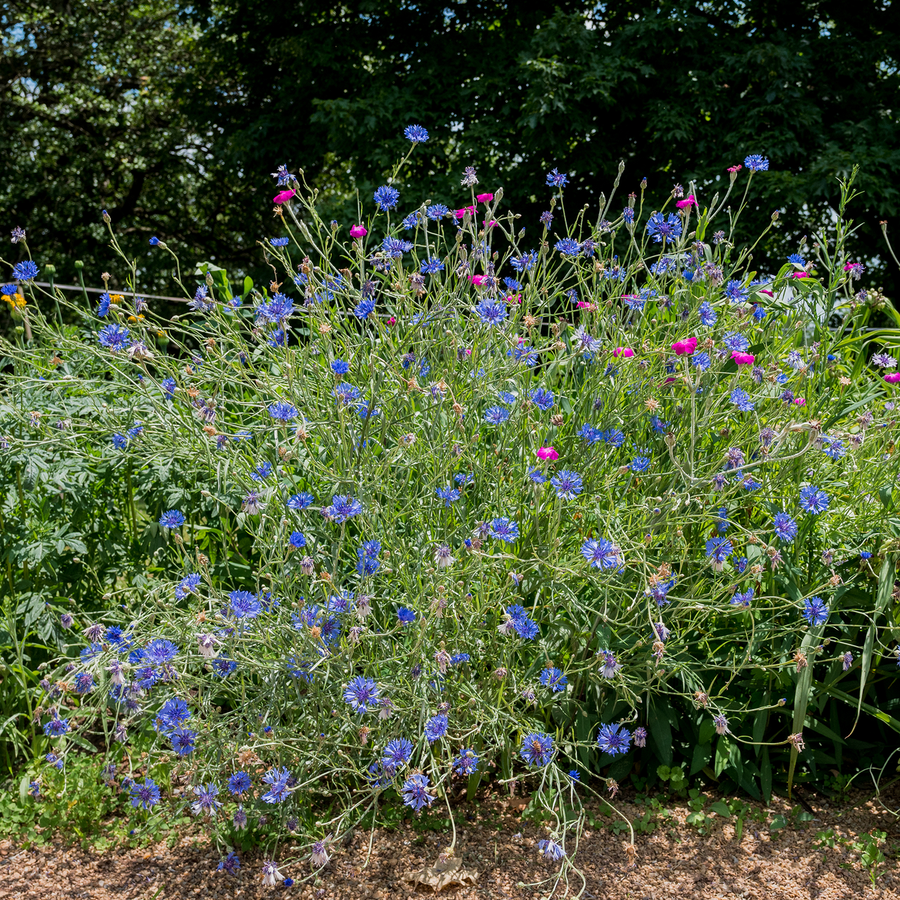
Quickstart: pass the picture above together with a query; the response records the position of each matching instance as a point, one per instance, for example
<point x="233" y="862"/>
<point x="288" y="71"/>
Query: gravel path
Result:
<point x="674" y="861"/>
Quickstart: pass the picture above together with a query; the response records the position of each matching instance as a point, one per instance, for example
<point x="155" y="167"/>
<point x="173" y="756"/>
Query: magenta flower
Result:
<point x="743" y="359"/>
<point x="623" y="351"/>
<point x="484" y="198"/>
<point x="358" y="231"/>
<point x="685" y="348"/>
<point x="892" y="378"/>
<point x="546" y="453"/>
<point x="283" y="196"/>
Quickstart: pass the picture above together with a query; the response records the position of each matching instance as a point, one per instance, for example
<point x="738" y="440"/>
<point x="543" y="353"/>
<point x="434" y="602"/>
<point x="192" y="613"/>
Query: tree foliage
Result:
<point x="174" y="116"/>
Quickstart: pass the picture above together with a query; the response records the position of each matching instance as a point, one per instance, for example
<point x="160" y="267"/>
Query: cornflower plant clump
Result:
<point x="472" y="500"/>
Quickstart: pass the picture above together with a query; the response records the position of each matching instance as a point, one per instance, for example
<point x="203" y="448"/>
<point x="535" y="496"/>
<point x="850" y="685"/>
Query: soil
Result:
<point x="673" y="861"/>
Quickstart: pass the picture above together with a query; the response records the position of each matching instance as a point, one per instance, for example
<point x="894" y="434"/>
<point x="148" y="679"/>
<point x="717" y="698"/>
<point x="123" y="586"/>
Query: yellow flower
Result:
<point x="116" y="298"/>
<point x="16" y="301"/>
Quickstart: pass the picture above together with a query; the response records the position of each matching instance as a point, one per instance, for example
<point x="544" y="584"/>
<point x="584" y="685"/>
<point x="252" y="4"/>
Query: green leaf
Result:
<point x="723" y="752"/>
<point x="248" y="285"/>
<point x="721" y="807"/>
<point x="700" y="759"/>
<point x="882" y="596"/>
<point x="810" y="640"/>
<point x="660" y="733"/>
<point x="778" y="822"/>
<point x="663" y="772"/>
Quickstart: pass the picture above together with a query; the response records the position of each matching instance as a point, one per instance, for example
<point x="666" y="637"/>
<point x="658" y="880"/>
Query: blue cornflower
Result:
<point x="448" y="494"/>
<point x="526" y="262"/>
<point x="171" y="519"/>
<point x="113" y="337"/>
<point x="361" y="693"/>
<point x="661" y="227"/>
<point x="245" y="605"/>
<point x="813" y="500"/>
<point x="8" y="289"/>
<point x="542" y="398"/>
<point x="436" y="727"/>
<point x="105" y="301"/>
<point x="396" y="754"/>
<point x="120" y="442"/>
<point x="785" y="527"/>
<point x="459" y="658"/>
<point x="496" y="415"/>
<point x="601" y="554"/>
<point x="297" y="539"/>
<point x="491" y="312"/>
<point x="343" y="508"/>
<point x="386" y="197"/>
<point x="168" y="387"/>
<point x="56" y="727"/>
<point x="411" y="220"/>
<point x="232" y="862"/>
<point x="222" y="666"/>
<point x="262" y="471"/>
<point x="415" y="792"/>
<point x="300" y="501"/>
<point x="463" y="478"/>
<point x="282" y="174"/>
<point x="25" y="270"/>
<point x="741" y="400"/>
<point x="511" y="284"/>
<point x="554" y="679"/>
<point x="364" y="308"/>
<point x="549" y="849"/>
<point x="283" y="411"/>
<point x="504" y="530"/>
<point x="406" y="616"/>
<point x="719" y="549"/>
<point x="833" y="447"/>
<point x="206" y="801"/>
<point x="172" y="714"/>
<point x="815" y="611"/>
<point x="144" y="795"/>
<point x="568" y="484"/>
<point x="437" y="211"/>
<point x="519" y="622"/>
<point x="415" y="133"/>
<point x="556" y="178"/>
<point x="183" y="740"/>
<point x="735" y="291"/>
<point x="797" y="260"/>
<point x="701" y="360"/>
<point x="590" y="434"/>
<point x="575" y="775"/>
<point x="367" y="558"/>
<point x="537" y="476"/>
<point x="756" y="163"/>
<point x="744" y="599"/>
<point x="466" y="762"/>
<point x="280" y="242"/>
<point x="160" y="652"/>
<point x="735" y="342"/>
<point x="615" y="437"/>
<point x="340" y="367"/>
<point x="431" y="265"/>
<point x="278" y="779"/>
<point x="239" y="783"/>
<point x="613" y="739"/>
<point x="568" y="247"/>
<point x="708" y="315"/>
<point x="639" y="464"/>
<point x="537" y="749"/>
<point x="522" y="352"/>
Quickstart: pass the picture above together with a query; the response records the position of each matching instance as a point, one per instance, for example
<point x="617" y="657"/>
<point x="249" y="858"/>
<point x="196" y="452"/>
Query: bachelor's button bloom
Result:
<point x="504" y="529"/>
<point x="171" y="519"/>
<point x="719" y="549"/>
<point x="343" y="508"/>
<point x="244" y="605"/>
<point x="113" y="337"/>
<point x="448" y="494"/>
<point x="386" y="197"/>
<point x="815" y="611"/>
<point x="664" y="228"/>
<point x="415" y="792"/>
<point x="415" y="133"/>
<point x="436" y="728"/>
<point x="206" y="801"/>
<point x="465" y="762"/>
<point x="25" y="270"/>
<point x="182" y="740"/>
<point x="556" y="178"/>
<point x="537" y="749"/>
<point x="785" y="527"/>
<point x="396" y="754"/>
<point x="496" y="415"/>
<point x="756" y="163"/>
<point x="554" y="679"/>
<point x="549" y="849"/>
<point x="283" y="412"/>
<point x="568" y="484"/>
<point x="813" y="500"/>
<point x="721" y="724"/>
<point x="361" y="693"/>
<point x="491" y="312"/>
<point x="601" y="554"/>
<point x="300" y="501"/>
<point x="568" y="247"/>
<point x="741" y="400"/>
<point x="270" y="874"/>
<point x="278" y="779"/>
<point x="640" y="736"/>
<point x="613" y="739"/>
<point x="742" y="599"/>
<point x="144" y="795"/>
<point x="405" y="616"/>
<point x="239" y="783"/>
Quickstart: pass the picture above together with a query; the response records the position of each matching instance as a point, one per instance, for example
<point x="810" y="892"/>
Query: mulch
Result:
<point x="500" y="850"/>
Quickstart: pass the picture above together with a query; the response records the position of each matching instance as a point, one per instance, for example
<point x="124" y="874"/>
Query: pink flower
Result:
<point x="484" y="198"/>
<point x="766" y="291"/>
<point x="392" y="321"/>
<point x="477" y="280"/>
<point x="892" y="378"/>
<point x="690" y="200"/>
<point x="546" y="453"/>
<point x="623" y="351"/>
<point x="459" y="213"/>
<point x="849" y="266"/>
<point x="743" y="359"/>
<point x="735" y="168"/>
<point x="584" y="304"/>
<point x="283" y="196"/>
<point x="799" y="401"/>
<point x="491" y="224"/>
<point x="685" y="348"/>
<point x="514" y="298"/>
<point x="799" y="274"/>
<point x="358" y="231"/>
